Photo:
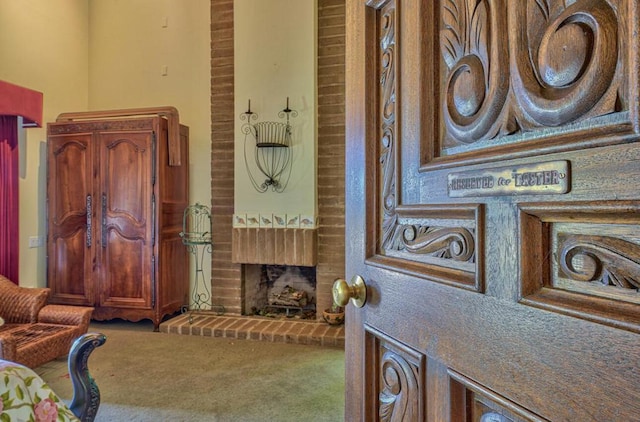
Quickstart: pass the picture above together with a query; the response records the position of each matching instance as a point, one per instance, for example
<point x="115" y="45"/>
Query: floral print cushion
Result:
<point x="24" y="396"/>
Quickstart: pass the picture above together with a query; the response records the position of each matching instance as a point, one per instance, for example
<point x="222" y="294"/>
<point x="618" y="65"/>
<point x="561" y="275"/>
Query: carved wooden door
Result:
<point x="126" y="212"/>
<point x="493" y="173"/>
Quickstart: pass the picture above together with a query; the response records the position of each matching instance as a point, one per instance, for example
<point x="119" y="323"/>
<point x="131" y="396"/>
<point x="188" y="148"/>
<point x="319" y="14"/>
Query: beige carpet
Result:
<point x="147" y="376"/>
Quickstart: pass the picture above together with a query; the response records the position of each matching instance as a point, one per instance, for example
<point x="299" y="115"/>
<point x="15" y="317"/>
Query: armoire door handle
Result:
<point x="104" y="220"/>
<point x="89" y="221"/>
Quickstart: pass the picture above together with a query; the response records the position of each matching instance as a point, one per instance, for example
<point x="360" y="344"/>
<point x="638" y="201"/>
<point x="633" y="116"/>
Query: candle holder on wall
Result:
<point x="270" y="145"/>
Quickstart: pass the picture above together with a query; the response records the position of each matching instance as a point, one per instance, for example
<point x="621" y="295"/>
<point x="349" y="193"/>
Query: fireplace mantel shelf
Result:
<point x="289" y="246"/>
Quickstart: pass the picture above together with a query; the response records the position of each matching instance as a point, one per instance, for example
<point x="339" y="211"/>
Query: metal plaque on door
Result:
<point x="550" y="177"/>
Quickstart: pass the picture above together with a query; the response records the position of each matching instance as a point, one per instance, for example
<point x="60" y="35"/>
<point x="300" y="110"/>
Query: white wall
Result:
<point x="131" y="43"/>
<point x="44" y="47"/>
<point x="97" y="54"/>
<point x="274" y="47"/>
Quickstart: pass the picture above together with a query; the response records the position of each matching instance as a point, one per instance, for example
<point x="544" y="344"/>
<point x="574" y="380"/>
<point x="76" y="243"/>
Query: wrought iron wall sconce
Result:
<point x="270" y="145"/>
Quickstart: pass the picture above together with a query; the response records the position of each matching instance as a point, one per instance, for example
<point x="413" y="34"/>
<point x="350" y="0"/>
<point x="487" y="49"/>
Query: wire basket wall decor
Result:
<point x="269" y="143"/>
<point x="272" y="134"/>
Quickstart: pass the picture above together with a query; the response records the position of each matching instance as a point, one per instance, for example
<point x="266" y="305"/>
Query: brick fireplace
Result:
<point x="280" y="291"/>
<point x="229" y="275"/>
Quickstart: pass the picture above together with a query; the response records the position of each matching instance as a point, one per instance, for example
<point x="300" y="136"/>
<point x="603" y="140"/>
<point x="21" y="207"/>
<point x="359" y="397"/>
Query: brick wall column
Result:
<point x="331" y="148"/>
<point x="226" y="285"/>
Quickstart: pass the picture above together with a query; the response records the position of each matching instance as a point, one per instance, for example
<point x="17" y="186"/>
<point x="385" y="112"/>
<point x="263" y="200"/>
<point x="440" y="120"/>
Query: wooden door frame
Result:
<point x="356" y="213"/>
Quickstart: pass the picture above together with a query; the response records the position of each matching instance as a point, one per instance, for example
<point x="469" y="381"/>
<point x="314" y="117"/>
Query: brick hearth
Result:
<point x="255" y="328"/>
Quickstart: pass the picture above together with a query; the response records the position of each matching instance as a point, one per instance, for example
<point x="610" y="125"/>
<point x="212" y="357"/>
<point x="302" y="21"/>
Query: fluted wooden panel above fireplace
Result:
<point x="288" y="246"/>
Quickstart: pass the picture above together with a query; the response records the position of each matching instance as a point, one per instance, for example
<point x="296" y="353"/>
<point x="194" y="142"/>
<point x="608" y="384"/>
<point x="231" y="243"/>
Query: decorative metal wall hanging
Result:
<point x="270" y="145"/>
<point x="196" y="236"/>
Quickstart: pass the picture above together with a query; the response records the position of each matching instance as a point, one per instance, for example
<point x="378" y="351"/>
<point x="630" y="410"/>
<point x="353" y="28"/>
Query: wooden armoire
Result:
<point x="117" y="187"/>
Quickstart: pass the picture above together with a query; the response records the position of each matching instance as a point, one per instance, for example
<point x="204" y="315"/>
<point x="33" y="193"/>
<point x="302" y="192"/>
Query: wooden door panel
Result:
<point x="483" y="303"/>
<point x="519" y="79"/>
<point x="472" y="402"/>
<point x="398" y="379"/>
<point x="582" y="259"/>
<point x="70" y="234"/>
<point x="127" y="230"/>
<point x="443" y="242"/>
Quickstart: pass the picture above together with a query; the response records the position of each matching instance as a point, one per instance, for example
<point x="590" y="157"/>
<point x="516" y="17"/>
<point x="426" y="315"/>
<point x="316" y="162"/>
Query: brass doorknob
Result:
<point x="357" y="291"/>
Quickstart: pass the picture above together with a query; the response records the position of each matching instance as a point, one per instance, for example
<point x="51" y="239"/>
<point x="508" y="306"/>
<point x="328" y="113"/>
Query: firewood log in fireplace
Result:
<point x="289" y="297"/>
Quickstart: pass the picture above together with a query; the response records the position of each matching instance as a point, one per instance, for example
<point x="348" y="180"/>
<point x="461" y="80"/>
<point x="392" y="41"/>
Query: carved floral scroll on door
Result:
<point x="518" y="73"/>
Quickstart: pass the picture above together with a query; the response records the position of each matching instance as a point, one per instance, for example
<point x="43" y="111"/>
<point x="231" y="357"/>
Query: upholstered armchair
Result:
<point x="34" y="331"/>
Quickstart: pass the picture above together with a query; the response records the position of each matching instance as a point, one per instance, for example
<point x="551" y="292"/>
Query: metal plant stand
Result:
<point x="196" y="236"/>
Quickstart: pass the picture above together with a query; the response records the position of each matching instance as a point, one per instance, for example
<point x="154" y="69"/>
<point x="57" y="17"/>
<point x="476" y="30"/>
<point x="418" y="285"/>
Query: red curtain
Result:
<point x="9" y="241"/>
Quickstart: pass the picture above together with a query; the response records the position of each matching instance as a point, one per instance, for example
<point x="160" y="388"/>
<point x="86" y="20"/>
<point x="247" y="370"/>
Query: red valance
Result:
<point x="18" y="101"/>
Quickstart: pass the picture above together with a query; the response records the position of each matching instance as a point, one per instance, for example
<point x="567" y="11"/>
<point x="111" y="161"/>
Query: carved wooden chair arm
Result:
<point x="86" y="395"/>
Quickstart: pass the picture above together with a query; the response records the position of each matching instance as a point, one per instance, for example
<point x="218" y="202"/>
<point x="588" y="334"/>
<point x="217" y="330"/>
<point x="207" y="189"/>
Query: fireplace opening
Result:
<point x="280" y="291"/>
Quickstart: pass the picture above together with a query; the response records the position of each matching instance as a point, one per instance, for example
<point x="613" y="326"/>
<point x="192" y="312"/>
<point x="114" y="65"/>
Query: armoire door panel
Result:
<point x="126" y="217"/>
<point x="124" y="282"/>
<point x="68" y="268"/>
<point x="70" y="232"/>
<point x="126" y="175"/>
<point x="69" y="192"/>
